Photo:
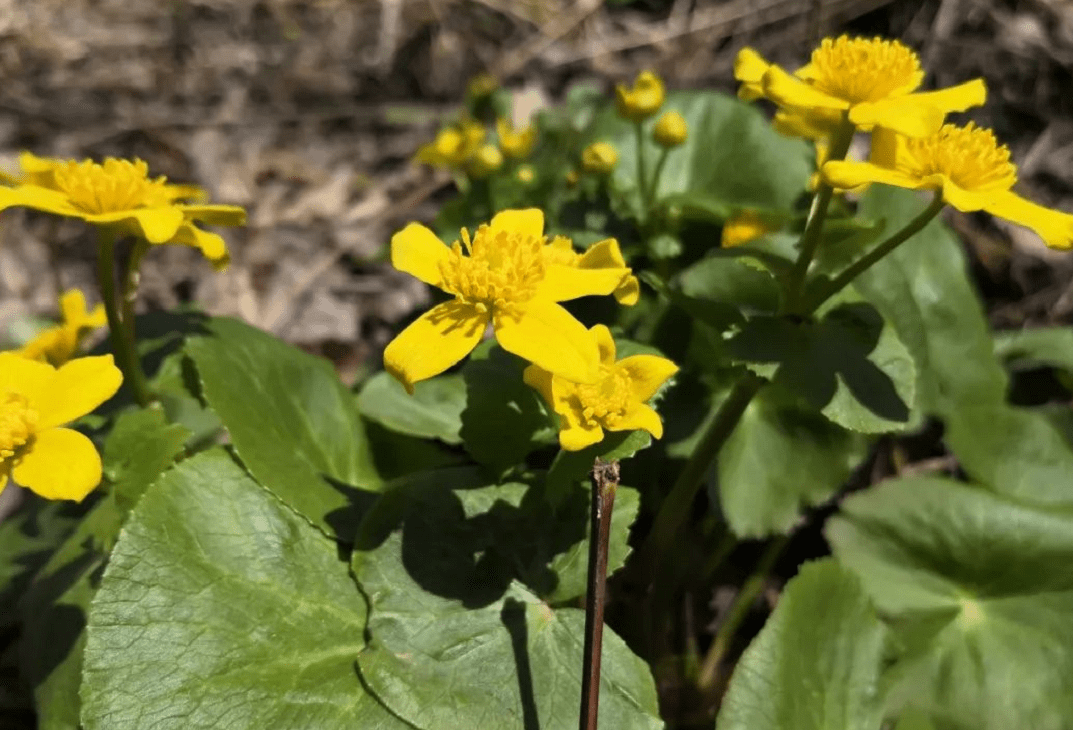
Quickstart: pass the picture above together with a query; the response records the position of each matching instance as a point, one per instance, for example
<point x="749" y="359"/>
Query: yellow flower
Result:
<point x="643" y="100"/>
<point x="873" y="81"/>
<point x="120" y="193"/>
<point x="599" y="158"/>
<point x="56" y="345"/>
<point x="605" y="255"/>
<point x="526" y="174"/>
<point x="616" y="401"/>
<point x="967" y="165"/>
<point x="515" y="143"/>
<point x="454" y="145"/>
<point x="481" y="85"/>
<point x="36" y="399"/>
<point x="745" y="226"/>
<point x="485" y="161"/>
<point x="671" y="130"/>
<point x="500" y="276"/>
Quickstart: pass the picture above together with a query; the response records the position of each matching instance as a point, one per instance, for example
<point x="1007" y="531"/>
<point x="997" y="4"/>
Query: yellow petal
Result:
<point x="1054" y="227"/>
<point x="956" y="98"/>
<point x="628" y="292"/>
<point x="967" y="201"/>
<point x="845" y="175"/>
<point x="549" y="336"/>
<point x="640" y="417"/>
<point x="647" y="373"/>
<point x="419" y="252"/>
<point x="605" y="343"/>
<point x="884" y="148"/>
<point x="908" y="115"/>
<point x="215" y="215"/>
<point x="76" y="389"/>
<point x="155" y="225"/>
<point x="529" y="221"/>
<point x="787" y="90"/>
<point x="27" y="377"/>
<point x="62" y="464"/>
<point x="563" y="283"/>
<point x="73" y="305"/>
<point x="38" y="198"/>
<point x="604" y="254"/>
<point x="750" y="66"/>
<point x="539" y="379"/>
<point x="210" y="244"/>
<point x="434" y="342"/>
<point x="577" y="436"/>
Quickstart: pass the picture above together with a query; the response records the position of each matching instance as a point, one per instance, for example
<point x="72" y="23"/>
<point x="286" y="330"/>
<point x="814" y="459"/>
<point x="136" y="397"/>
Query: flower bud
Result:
<point x="671" y="130"/>
<point x="643" y="100"/>
<point x="599" y="158"/>
<point x="487" y="160"/>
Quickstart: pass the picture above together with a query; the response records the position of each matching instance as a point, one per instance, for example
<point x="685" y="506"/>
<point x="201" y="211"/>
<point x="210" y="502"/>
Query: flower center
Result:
<point x="968" y="155"/>
<point x="497" y="270"/>
<point x="18" y="421"/>
<point x="606" y="400"/>
<point x="111" y="187"/>
<point x="859" y="69"/>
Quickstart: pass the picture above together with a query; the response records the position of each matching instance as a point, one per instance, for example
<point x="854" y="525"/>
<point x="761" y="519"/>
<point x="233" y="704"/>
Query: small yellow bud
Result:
<point x="671" y="130"/>
<point x="515" y="143"/>
<point x="487" y="160"/>
<point x="572" y="178"/>
<point x="481" y="86"/>
<point x="526" y="174"/>
<point x="745" y="226"/>
<point x="643" y="100"/>
<point x="599" y="158"/>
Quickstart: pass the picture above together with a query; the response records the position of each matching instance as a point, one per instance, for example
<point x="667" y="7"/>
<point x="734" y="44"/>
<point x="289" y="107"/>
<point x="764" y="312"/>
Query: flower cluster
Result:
<point x="58" y="344"/>
<point x="872" y="85"/>
<point x="509" y="276"/>
<point x="462" y="147"/>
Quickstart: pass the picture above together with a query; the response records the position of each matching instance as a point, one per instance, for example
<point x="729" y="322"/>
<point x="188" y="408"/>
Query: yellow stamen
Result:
<point x="111" y="187"/>
<point x="498" y="269"/>
<point x="18" y="421"/>
<point x="971" y="157"/>
<point x="860" y="69"/>
<point x="604" y="402"/>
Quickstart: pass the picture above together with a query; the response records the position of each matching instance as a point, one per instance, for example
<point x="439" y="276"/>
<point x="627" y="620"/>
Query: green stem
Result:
<point x="676" y="506"/>
<point x="810" y="238"/>
<point x="642" y="177"/>
<point x="654" y="183"/>
<point x="862" y="264"/>
<point x="738" y="611"/>
<point x="121" y="334"/>
<point x="604" y="485"/>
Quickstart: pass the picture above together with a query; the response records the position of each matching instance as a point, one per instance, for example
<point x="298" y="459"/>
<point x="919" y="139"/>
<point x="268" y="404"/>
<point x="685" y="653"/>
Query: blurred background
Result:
<point x="307" y="113"/>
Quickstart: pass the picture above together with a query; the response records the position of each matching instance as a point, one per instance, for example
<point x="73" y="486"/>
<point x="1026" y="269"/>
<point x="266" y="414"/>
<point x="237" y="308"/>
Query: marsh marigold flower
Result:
<point x="36" y="400"/>
<point x="515" y="143"/>
<point x="503" y="277"/>
<point x="605" y="255"/>
<point x="873" y="81"/>
<point x="56" y="345"/>
<point x="671" y="130"/>
<point x="745" y="226"/>
<point x="454" y="146"/>
<point x="599" y="158"/>
<point x="970" y="169"/>
<point x="617" y="401"/>
<point x="643" y="100"/>
<point x="120" y="193"/>
<point x="485" y="161"/>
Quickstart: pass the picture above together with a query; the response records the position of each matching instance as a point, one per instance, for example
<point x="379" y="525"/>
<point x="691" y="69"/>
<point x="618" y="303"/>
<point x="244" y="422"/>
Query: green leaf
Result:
<point x="291" y="420"/>
<point x="980" y="591"/>
<point x="434" y="411"/>
<point x="140" y="447"/>
<point x="730" y="280"/>
<point x="732" y="157"/>
<point x="923" y="289"/>
<point x="447" y="613"/>
<point x="1035" y="348"/>
<point x="221" y="608"/>
<point x="504" y="419"/>
<point x="1016" y="451"/>
<point x="778" y="460"/>
<point x="176" y="386"/>
<point x="850" y="365"/>
<point x="815" y="665"/>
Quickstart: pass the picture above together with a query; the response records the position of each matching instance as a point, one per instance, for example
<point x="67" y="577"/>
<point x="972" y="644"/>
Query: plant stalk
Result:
<point x="737" y="613"/>
<point x="810" y="238"/>
<point x="675" y="508"/>
<point x="642" y="181"/>
<point x="654" y="182"/>
<point x="865" y="262"/>
<point x="604" y="485"/>
<point x="120" y="332"/>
